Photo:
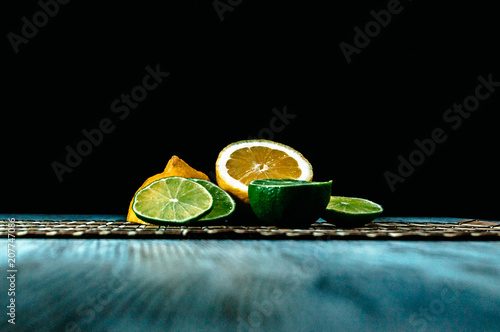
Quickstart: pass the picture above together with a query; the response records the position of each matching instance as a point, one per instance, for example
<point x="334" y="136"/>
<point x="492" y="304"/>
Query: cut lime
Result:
<point x="172" y="200"/>
<point x="351" y="211"/>
<point x="224" y="204"/>
<point x="287" y="202"/>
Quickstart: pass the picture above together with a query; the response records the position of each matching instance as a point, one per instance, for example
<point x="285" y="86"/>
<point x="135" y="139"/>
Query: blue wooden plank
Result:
<point x="204" y="285"/>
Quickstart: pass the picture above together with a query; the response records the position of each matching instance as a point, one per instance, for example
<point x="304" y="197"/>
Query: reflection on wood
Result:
<point x="204" y="285"/>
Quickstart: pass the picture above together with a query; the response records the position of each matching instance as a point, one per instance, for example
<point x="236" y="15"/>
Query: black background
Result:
<point x="352" y="120"/>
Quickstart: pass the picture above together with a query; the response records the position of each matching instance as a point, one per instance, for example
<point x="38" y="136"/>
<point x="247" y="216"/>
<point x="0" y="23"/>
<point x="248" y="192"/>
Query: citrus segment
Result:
<point x="260" y="162"/>
<point x="351" y="211"/>
<point x="223" y="206"/>
<point x="242" y="162"/>
<point x="174" y="167"/>
<point x="172" y="199"/>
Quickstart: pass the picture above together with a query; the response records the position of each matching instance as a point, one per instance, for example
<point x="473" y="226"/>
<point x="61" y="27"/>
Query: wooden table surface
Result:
<point x="254" y="285"/>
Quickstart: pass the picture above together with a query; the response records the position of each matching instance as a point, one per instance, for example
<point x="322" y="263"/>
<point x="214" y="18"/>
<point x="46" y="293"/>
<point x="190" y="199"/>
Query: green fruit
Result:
<point x="172" y="200"/>
<point x="286" y="202"/>
<point x="351" y="211"/>
<point x="223" y="206"/>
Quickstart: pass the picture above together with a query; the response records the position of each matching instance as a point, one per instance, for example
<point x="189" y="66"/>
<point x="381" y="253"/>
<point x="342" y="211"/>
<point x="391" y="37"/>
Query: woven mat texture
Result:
<point x="462" y="230"/>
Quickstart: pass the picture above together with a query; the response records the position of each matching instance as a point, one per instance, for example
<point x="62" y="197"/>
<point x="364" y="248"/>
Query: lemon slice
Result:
<point x="241" y="162"/>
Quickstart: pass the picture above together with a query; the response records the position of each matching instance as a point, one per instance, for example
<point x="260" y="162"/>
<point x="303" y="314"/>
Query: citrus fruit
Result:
<point x="351" y="211"/>
<point x="172" y="200"/>
<point x="224" y="204"/>
<point x="241" y="162"/>
<point x="175" y="167"/>
<point x="288" y="202"/>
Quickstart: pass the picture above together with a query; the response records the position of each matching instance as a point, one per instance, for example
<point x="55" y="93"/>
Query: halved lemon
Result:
<point x="241" y="162"/>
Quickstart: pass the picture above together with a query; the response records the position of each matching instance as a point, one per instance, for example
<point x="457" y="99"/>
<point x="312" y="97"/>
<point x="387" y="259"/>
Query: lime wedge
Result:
<point x="224" y="204"/>
<point x="287" y="202"/>
<point x="351" y="211"/>
<point x="172" y="200"/>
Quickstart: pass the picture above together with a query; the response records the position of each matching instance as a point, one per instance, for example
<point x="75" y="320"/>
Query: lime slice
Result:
<point x="172" y="200"/>
<point x="224" y="204"/>
<point x="351" y="211"/>
<point x="287" y="202"/>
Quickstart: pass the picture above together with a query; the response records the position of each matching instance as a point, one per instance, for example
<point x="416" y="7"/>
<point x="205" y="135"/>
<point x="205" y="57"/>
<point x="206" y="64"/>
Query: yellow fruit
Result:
<point x="241" y="162"/>
<point x="175" y="167"/>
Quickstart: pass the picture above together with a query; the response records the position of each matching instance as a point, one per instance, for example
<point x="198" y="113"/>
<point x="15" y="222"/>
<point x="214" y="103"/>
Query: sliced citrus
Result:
<point x="241" y="162"/>
<point x="223" y="206"/>
<point x="351" y="211"/>
<point x="172" y="200"/>
<point x="286" y="202"/>
<point x="175" y="167"/>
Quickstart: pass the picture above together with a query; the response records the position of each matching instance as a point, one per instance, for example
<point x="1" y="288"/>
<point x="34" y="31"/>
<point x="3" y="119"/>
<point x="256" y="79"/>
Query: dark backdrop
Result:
<point x="233" y="66"/>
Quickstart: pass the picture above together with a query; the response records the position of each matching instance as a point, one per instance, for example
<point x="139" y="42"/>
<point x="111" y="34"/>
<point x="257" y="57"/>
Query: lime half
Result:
<point x="351" y="211"/>
<point x="224" y="204"/>
<point x="172" y="200"/>
<point x="287" y="202"/>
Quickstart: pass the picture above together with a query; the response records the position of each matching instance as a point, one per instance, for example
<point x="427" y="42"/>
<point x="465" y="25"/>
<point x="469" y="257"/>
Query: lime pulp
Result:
<point x="172" y="200"/>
